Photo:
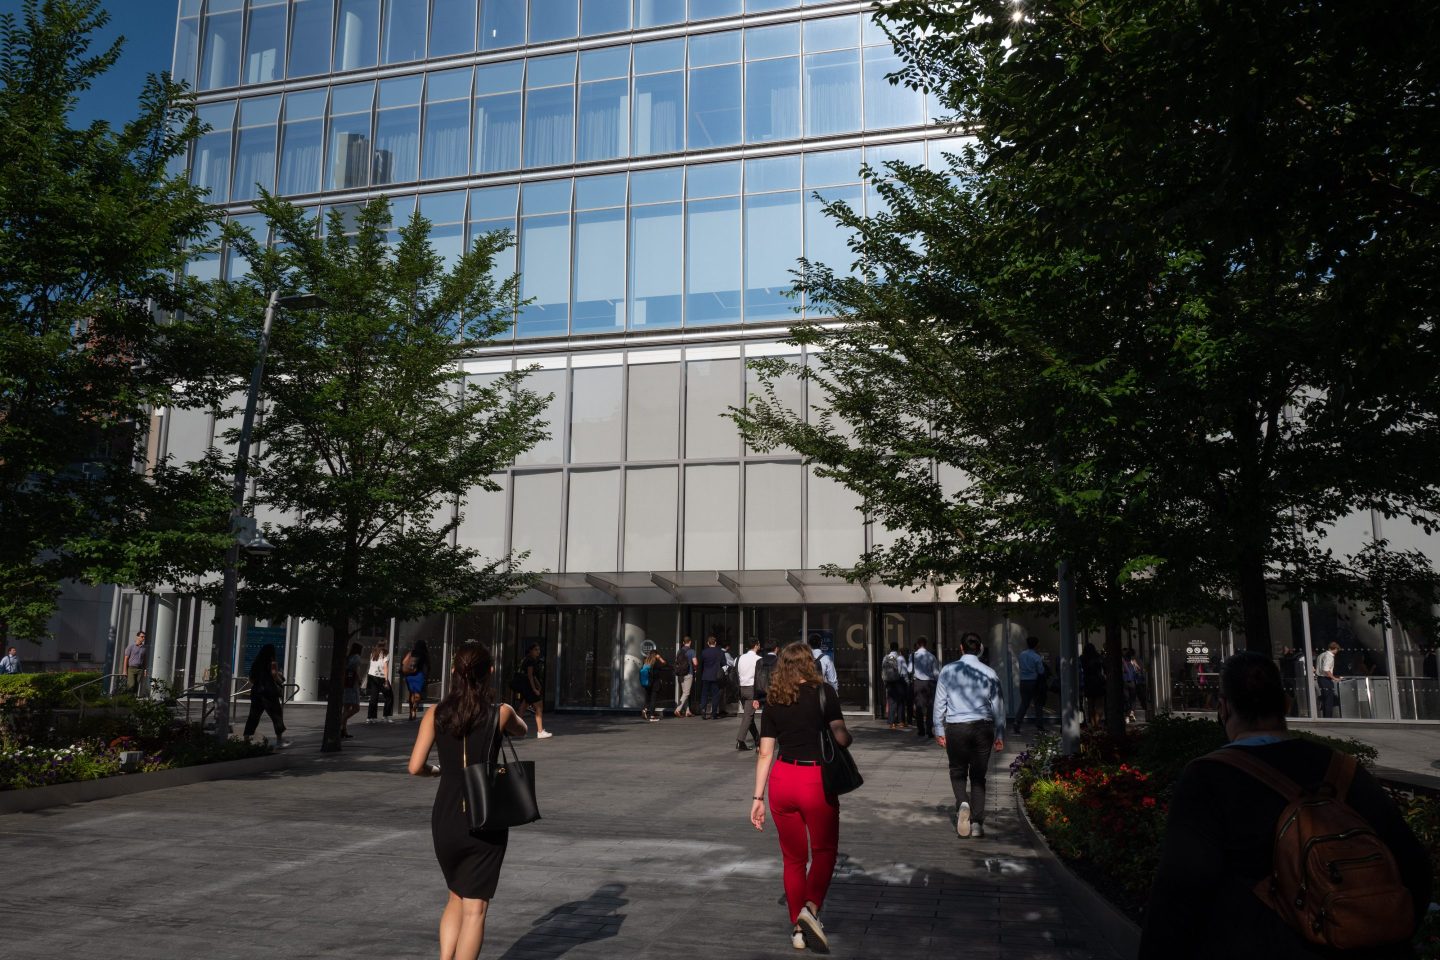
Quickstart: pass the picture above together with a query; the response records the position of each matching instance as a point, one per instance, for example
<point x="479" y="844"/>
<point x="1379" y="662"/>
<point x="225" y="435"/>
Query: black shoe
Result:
<point x="741" y="746"/>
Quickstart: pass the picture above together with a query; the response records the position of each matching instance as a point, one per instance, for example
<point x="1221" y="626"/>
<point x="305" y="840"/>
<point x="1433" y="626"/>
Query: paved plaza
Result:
<point x="645" y="851"/>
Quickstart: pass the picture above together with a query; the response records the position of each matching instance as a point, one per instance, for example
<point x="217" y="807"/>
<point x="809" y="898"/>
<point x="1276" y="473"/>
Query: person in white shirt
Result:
<point x="969" y="719"/>
<point x="823" y="661"/>
<point x="377" y="679"/>
<point x="748" y="702"/>
<point x="1326" y="680"/>
<point x="895" y="673"/>
<point x="924" y="669"/>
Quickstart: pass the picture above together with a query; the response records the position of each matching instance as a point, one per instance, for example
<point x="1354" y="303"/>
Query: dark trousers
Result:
<point x="968" y="747"/>
<point x="650" y="695"/>
<point x="710" y="698"/>
<point x="257" y="707"/>
<point x="1031" y="691"/>
<point x="923" y="692"/>
<point x="1329" y="697"/>
<point x="895" y="701"/>
<point x="747" y="716"/>
<point x="378" y="689"/>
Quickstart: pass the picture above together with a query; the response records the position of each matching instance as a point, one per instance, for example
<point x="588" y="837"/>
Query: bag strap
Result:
<point x="1258" y="769"/>
<point x="1341" y="773"/>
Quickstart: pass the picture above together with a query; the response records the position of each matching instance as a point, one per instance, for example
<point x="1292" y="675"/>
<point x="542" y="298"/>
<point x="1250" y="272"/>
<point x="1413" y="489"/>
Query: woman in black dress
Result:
<point x="471" y="864"/>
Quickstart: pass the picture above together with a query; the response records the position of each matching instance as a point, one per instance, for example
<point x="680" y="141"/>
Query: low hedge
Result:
<point x="30" y="766"/>
<point x="28" y="701"/>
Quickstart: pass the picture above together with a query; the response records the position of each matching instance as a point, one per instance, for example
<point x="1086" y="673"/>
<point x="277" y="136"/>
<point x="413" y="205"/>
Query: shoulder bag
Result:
<point x="837" y="767"/>
<point x="498" y="795"/>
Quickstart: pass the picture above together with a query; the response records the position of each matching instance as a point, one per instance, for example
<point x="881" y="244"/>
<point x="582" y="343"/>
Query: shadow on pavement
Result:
<point x="571" y="924"/>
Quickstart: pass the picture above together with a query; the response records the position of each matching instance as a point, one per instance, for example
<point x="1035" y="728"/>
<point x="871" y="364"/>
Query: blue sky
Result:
<point x="149" y="30"/>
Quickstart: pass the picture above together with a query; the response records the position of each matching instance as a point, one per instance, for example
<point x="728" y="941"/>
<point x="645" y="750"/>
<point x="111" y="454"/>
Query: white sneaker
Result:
<point x="797" y="939"/>
<point x="282" y="744"/>
<point x="811" y="931"/>
<point x="962" y="821"/>
<point x="544" y="735"/>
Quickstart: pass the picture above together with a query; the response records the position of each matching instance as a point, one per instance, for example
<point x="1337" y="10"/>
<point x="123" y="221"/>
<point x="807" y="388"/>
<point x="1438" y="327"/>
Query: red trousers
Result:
<point x="808" y="823"/>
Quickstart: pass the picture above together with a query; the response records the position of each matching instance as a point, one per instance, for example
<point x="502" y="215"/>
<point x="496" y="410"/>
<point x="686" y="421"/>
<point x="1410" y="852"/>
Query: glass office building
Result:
<point x="663" y="165"/>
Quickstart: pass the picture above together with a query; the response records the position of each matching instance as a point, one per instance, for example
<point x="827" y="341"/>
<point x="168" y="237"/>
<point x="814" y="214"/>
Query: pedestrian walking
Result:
<point x="1234" y="852"/>
<point x="1133" y="675"/>
<point x="471" y="863"/>
<point x="134" y="661"/>
<point x="350" y="695"/>
<point x="377" y="679"/>
<point x="415" y="667"/>
<point x="528" y="685"/>
<point x="267" y="695"/>
<point x="969" y="719"/>
<point x="799" y="706"/>
<point x="685" y="673"/>
<point x="712" y="674"/>
<point x="824" y="661"/>
<point x="10" y="663"/>
<point x="895" y="675"/>
<point x="1326" y="682"/>
<point x="1092" y="681"/>
<point x="650" y="682"/>
<point x="746" y="666"/>
<point x="924" y="670"/>
<point x="1033" y="680"/>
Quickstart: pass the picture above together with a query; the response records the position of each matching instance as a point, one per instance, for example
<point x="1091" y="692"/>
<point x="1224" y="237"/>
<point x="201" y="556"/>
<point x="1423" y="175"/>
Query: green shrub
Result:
<point x="28" y="701"/>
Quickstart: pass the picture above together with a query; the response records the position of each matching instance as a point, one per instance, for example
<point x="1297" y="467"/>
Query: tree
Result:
<point x="371" y="430"/>
<point x="1197" y="247"/>
<point x="92" y="240"/>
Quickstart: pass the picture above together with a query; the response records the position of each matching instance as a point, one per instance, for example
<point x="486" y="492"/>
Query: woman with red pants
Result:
<point x="798" y="706"/>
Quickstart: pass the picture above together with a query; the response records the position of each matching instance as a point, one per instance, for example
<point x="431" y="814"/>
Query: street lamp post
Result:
<point x="225" y="622"/>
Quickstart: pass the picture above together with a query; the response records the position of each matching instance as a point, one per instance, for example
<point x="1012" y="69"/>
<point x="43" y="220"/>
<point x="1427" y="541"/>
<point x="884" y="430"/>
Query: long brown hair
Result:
<point x="469" y="699"/>
<point x="796" y="666"/>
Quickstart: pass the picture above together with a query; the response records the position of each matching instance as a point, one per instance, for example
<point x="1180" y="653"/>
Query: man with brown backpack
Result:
<point x="1278" y="847"/>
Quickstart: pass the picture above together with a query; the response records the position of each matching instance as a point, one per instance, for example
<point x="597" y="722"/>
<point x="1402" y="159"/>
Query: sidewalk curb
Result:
<point x="83" y="791"/>
<point x="1118" y="931"/>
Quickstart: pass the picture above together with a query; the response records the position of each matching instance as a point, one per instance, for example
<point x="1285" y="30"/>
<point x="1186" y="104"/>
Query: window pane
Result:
<point x="211" y="169"/>
<point x="712" y="516"/>
<point x="300" y="161"/>
<point x="549" y="126"/>
<point x="599" y="271"/>
<point x="595" y="414"/>
<point x="545" y="196"/>
<point x="772" y="516"/>
<point x="482" y="519"/>
<point x="310" y="38"/>
<point x="652" y="499"/>
<point x="502" y="24"/>
<point x="397" y="145"/>
<point x="357" y="34"/>
<point x="709" y="49"/>
<point x="404" y="38"/>
<point x="715" y="106"/>
<point x="825" y="241"/>
<point x="497" y="133"/>
<point x="447" y="139"/>
<point x="655" y="259"/>
<point x="765" y="174"/>
<point x="604" y="16"/>
<point x="452" y="30"/>
<point x="654" y="13"/>
<point x="712" y="180"/>
<point x="654" y="406"/>
<point x="187" y="50"/>
<point x="593" y="536"/>
<point x="552" y="19"/>
<point x="779" y="41"/>
<point x="535" y="518"/>
<point x="888" y="104"/>
<point x="220" y="60"/>
<point x="265" y="48"/>
<point x="602" y="191"/>
<point x="349" y="149"/>
<point x="832" y="166"/>
<point x="254" y="162"/>
<point x="552" y="448"/>
<point x="712" y="387"/>
<point x="772" y="247"/>
<point x="659" y="107"/>
<point x="835" y="529"/>
<point x="772" y="100"/>
<point x="604" y="120"/>
<point x="544" y="275"/>
<point x="713" y="278"/>
<point x="710" y="9"/>
<point x="832" y="92"/>
<point x="832" y="33"/>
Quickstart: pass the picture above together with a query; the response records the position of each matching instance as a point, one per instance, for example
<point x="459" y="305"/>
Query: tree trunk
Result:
<point x="335" y="697"/>
<point x="1254" y="600"/>
<point x="1114" y="678"/>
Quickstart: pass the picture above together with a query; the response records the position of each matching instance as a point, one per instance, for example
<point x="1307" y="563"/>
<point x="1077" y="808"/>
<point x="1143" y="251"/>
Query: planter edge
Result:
<point x="1115" y="928"/>
<point x="83" y="791"/>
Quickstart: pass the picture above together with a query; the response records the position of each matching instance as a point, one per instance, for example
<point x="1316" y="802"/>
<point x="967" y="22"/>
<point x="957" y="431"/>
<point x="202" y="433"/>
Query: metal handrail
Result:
<point x="109" y="694"/>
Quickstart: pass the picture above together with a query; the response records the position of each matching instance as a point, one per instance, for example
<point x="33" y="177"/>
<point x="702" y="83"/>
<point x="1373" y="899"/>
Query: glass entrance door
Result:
<point x="587" y="656"/>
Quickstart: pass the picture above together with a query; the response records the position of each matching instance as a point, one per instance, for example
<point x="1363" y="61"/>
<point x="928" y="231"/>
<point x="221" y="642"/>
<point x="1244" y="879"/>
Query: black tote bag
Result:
<point x="499" y="795"/>
<point x="837" y="767"/>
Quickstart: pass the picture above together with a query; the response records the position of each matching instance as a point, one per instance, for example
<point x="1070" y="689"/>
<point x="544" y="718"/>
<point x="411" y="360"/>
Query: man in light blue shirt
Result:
<point x="1033" y="679"/>
<point x="923" y="672"/>
<point x="969" y="718"/>
<point x="823" y="661"/>
<point x="10" y="663"/>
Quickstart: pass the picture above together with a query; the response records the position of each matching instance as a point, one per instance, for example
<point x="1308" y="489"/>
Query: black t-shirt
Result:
<point x="796" y="726"/>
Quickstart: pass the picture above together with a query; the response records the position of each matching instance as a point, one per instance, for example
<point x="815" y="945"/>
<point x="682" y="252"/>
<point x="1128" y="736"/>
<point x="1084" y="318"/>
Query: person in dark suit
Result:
<point x="712" y="671"/>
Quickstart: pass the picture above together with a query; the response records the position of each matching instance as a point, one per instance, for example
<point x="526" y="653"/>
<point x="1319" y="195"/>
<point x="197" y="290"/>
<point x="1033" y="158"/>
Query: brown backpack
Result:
<point x="1335" y="882"/>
